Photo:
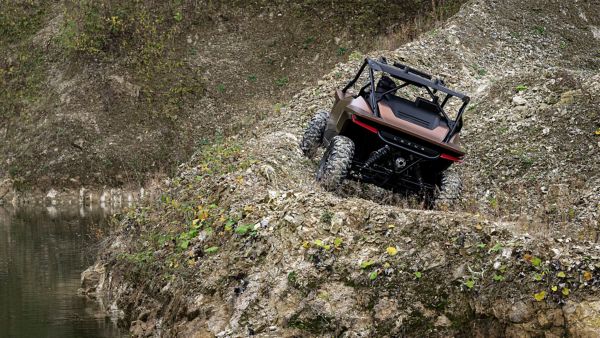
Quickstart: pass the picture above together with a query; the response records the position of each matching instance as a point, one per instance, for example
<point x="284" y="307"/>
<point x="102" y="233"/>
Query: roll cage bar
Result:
<point x="414" y="77"/>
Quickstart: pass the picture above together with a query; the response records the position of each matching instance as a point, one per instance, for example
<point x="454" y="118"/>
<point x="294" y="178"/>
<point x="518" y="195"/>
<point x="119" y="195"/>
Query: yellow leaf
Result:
<point x="566" y="291"/>
<point x="597" y="132"/>
<point x="305" y="245"/>
<point x="540" y="296"/>
<point x="391" y="251"/>
<point x="391" y="226"/>
<point x="587" y="276"/>
<point x="554" y="288"/>
<point x="478" y="226"/>
<point x="561" y="274"/>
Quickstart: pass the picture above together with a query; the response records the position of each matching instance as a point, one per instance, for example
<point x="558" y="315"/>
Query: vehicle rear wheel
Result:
<point x="336" y="162"/>
<point x="313" y="134"/>
<point x="449" y="189"/>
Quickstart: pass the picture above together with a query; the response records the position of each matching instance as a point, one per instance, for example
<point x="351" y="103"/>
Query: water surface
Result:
<point x="42" y="254"/>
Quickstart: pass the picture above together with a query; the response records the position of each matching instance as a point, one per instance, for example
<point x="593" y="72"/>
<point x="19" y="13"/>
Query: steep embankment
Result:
<point x="244" y="242"/>
<point x="111" y="93"/>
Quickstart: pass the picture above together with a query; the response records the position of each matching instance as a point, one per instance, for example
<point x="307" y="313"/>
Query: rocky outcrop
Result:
<point x="92" y="280"/>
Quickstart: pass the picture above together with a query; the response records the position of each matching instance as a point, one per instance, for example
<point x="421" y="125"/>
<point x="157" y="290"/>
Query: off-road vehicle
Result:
<point x="400" y="131"/>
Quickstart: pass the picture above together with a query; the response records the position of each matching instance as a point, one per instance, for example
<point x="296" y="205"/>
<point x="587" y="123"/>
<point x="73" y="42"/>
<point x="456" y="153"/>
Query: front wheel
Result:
<point x="336" y="162"/>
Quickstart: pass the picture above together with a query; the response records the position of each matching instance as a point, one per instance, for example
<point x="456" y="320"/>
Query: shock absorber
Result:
<point x="377" y="155"/>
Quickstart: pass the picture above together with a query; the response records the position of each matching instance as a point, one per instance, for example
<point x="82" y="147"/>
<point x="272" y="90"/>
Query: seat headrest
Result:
<point x="385" y="84"/>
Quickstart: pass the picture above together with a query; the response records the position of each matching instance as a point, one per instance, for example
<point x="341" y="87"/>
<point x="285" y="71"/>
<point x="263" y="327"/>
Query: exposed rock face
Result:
<point x="244" y="242"/>
<point x="5" y="190"/>
<point x="583" y="318"/>
<point x="92" y="280"/>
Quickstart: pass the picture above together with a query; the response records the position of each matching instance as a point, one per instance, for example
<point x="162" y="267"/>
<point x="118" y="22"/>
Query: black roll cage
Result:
<point x="410" y="76"/>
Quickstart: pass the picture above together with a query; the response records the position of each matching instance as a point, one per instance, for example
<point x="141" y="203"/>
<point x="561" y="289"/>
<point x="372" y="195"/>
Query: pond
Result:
<point x="42" y="254"/>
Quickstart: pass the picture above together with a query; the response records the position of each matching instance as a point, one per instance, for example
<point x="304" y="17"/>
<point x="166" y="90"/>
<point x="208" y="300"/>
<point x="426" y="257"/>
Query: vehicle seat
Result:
<point x="384" y="84"/>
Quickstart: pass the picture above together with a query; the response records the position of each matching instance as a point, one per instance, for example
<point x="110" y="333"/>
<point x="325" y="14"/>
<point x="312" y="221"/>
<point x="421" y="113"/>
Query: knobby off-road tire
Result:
<point x="336" y="162"/>
<point x="313" y="135"/>
<point x="450" y="189"/>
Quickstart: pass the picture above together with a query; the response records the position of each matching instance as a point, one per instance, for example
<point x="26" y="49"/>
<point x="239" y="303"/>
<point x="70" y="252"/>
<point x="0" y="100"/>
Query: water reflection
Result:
<point x="42" y="253"/>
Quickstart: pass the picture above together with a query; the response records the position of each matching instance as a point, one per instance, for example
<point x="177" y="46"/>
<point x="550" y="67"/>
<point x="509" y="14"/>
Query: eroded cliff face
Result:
<point x="243" y="242"/>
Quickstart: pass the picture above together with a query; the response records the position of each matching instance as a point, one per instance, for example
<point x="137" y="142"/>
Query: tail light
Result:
<point x="451" y="158"/>
<point x="364" y="125"/>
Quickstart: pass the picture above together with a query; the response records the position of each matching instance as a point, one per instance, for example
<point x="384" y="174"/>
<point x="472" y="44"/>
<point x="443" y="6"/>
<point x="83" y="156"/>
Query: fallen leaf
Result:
<point x="566" y="291"/>
<point x="392" y="251"/>
<point x="561" y="274"/>
<point x="540" y="296"/>
<point x="554" y="288"/>
<point x="587" y="276"/>
<point x="366" y="264"/>
<point x="373" y="275"/>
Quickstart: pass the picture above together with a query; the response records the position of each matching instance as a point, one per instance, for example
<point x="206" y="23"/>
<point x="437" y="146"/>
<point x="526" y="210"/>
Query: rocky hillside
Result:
<point x="111" y="93"/>
<point x="243" y="242"/>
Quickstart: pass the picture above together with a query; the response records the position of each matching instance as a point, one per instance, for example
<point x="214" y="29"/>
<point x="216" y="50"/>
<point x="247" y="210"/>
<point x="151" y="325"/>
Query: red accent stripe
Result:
<point x="451" y="158"/>
<point x="364" y="125"/>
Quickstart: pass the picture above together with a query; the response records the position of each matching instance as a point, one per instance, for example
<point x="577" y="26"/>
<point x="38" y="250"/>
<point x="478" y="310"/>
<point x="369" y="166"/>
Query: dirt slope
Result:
<point x="243" y="242"/>
<point x="111" y="93"/>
